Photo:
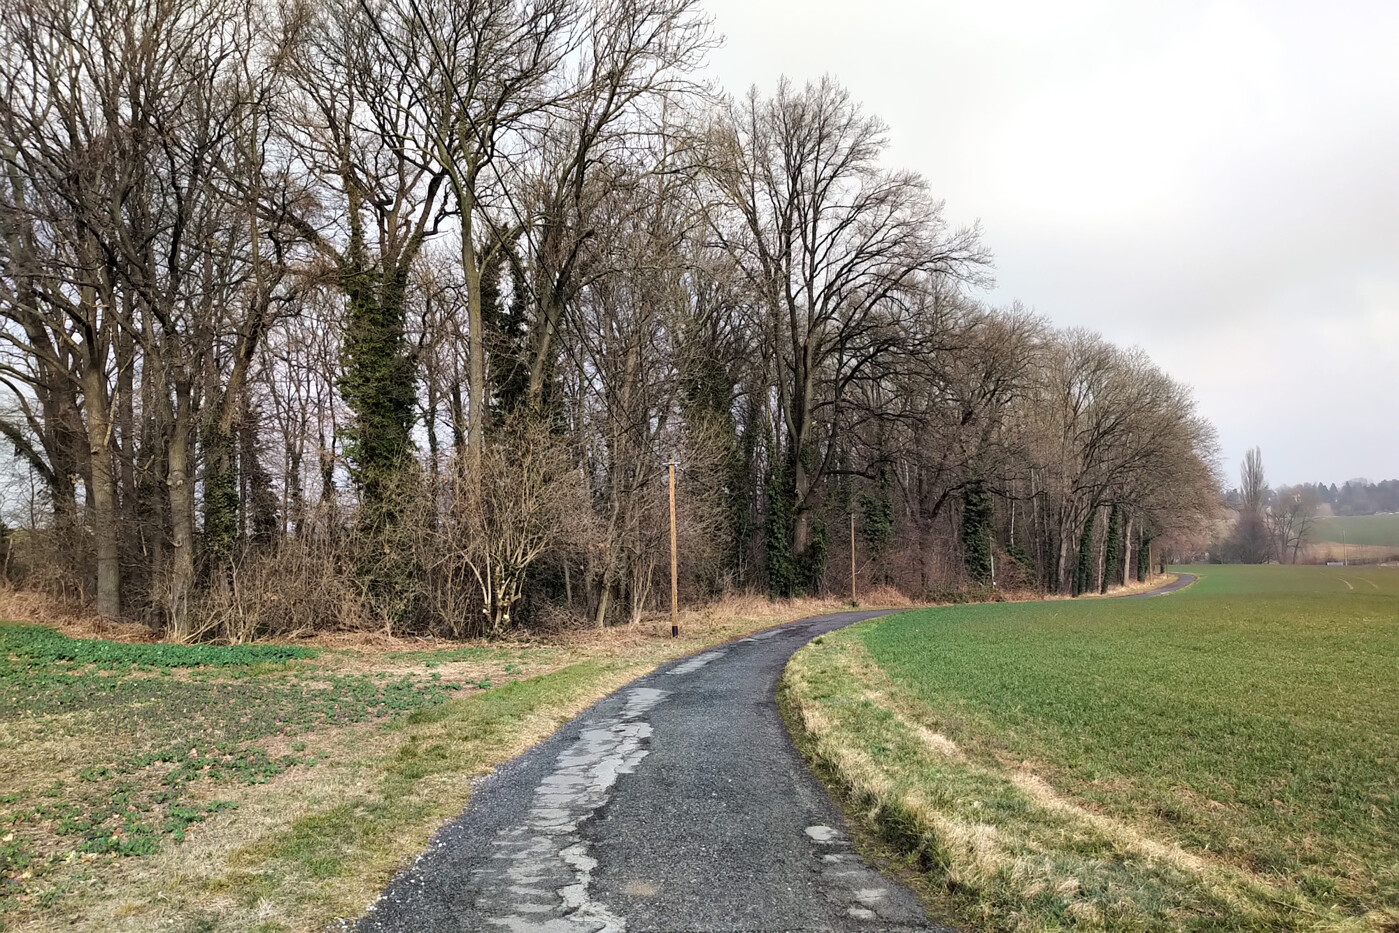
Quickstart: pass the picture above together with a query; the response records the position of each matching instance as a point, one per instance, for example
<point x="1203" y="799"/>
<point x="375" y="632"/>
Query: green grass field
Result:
<point x="1373" y="530"/>
<point x="1226" y="757"/>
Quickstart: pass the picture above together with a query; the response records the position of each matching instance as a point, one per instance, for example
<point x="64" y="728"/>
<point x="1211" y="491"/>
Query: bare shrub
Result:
<point x="49" y="560"/>
<point x="453" y="561"/>
<point x="527" y="500"/>
<point x="547" y="617"/>
<point x="39" y="608"/>
<point x="299" y="587"/>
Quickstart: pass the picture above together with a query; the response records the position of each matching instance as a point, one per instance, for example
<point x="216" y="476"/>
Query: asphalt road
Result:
<point x="677" y="803"/>
<point x="1181" y="581"/>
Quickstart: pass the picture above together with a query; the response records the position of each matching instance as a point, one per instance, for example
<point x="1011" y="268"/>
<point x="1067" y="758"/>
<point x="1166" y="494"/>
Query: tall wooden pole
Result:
<point x="853" y="600"/>
<point x="674" y="581"/>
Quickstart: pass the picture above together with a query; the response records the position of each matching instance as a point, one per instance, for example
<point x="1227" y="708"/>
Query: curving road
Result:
<point x="676" y="803"/>
<point x="1181" y="581"/>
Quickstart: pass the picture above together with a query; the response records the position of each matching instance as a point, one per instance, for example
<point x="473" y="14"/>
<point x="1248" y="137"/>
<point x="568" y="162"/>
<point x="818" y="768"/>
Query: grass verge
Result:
<point x="1220" y="759"/>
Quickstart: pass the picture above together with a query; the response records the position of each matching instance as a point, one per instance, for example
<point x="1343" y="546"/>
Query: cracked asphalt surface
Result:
<point x="677" y="803"/>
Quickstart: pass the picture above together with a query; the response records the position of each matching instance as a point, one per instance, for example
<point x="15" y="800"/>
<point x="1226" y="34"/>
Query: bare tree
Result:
<point x="1253" y="483"/>
<point x="1291" y="519"/>
<point x="353" y="126"/>
<point x="1252" y="540"/>
<point x="415" y="298"/>
<point x="834" y="246"/>
<point x="125" y="123"/>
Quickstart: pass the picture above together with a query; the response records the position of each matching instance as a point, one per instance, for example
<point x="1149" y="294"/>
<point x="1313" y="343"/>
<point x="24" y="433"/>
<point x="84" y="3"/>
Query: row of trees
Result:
<point x="391" y="313"/>
<point x="1356" y="496"/>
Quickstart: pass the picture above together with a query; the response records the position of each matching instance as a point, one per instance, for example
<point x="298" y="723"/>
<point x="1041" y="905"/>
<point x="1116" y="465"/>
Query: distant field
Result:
<point x="1377" y="530"/>
<point x="1223" y="758"/>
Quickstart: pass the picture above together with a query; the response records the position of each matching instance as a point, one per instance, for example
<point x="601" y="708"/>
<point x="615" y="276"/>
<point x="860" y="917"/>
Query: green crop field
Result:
<point x="1373" y="530"/>
<point x="1226" y="757"/>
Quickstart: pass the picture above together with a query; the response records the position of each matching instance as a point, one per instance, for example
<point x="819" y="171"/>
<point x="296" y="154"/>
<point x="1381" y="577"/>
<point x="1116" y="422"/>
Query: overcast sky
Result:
<point x="1215" y="182"/>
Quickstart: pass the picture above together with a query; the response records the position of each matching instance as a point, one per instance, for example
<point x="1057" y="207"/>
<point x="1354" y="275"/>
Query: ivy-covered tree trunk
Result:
<point x="378" y="383"/>
<point x="507" y="334"/>
<point x="977" y="517"/>
<point x="777" y="533"/>
<point x="877" y="506"/>
<point x="811" y="563"/>
<point x="1112" y="554"/>
<point x="260" y="514"/>
<point x="1083" y="570"/>
<point x="377" y="380"/>
<point x="220" y="497"/>
<point x="1143" y="557"/>
<point x="739" y="501"/>
<point x="1127" y="550"/>
<point x="810" y="539"/>
<point x="713" y="428"/>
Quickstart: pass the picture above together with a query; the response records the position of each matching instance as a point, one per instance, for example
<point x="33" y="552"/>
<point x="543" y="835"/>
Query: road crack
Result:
<point x="538" y="877"/>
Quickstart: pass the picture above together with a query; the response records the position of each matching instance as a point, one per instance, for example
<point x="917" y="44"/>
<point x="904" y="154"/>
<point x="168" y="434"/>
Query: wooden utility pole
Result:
<point x="853" y="600"/>
<point x="674" y="580"/>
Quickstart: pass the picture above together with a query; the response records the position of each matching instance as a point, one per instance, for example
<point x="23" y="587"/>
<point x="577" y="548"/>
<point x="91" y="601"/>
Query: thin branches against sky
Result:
<point x="1213" y="181"/>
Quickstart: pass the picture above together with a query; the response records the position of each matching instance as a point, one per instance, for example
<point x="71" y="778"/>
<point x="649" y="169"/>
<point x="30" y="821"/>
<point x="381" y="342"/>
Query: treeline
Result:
<point x="1357" y="496"/>
<point x="391" y="314"/>
<point x="1354" y="497"/>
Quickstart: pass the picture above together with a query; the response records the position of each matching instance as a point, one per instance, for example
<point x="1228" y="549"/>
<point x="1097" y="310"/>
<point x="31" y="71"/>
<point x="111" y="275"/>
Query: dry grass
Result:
<point x="1324" y="551"/>
<point x="315" y="843"/>
<point x="1000" y="843"/>
<point x="246" y="867"/>
<point x="41" y="609"/>
<point x="728" y="615"/>
<point x="1152" y="581"/>
<point x="716" y="621"/>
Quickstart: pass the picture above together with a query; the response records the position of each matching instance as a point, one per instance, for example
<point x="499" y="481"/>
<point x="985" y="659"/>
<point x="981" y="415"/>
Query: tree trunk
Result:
<point x="327" y="455"/>
<point x="803" y="480"/>
<point x="1083" y="566"/>
<point x="1099" y="582"/>
<point x="181" y="517"/>
<point x="129" y="533"/>
<point x="1064" y="564"/>
<point x="1112" y="549"/>
<point x="104" y="493"/>
<point x="476" y="342"/>
<point x="602" y="604"/>
<point x="541" y="360"/>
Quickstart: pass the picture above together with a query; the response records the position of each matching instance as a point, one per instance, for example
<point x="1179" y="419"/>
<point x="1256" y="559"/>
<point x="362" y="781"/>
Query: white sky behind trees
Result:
<point x="1215" y="182"/>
